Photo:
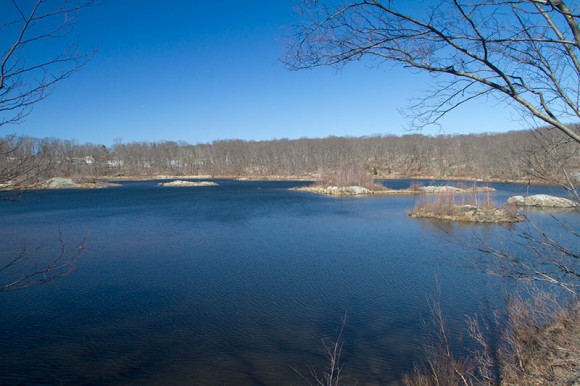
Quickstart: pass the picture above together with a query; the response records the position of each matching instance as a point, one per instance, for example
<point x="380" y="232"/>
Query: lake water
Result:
<point x="234" y="284"/>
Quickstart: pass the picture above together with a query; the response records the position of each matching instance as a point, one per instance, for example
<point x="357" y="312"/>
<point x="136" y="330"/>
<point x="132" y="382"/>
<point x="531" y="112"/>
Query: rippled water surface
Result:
<point x="231" y="285"/>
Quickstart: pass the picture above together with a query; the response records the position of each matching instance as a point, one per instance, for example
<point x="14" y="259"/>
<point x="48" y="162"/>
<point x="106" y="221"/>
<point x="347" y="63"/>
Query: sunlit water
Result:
<point x="234" y="284"/>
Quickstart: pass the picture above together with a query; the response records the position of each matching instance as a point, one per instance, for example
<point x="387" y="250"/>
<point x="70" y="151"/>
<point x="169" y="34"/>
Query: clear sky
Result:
<point x="198" y="71"/>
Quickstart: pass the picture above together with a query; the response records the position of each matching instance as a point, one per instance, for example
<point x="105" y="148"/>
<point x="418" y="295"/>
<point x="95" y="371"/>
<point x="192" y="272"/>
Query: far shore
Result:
<point x="314" y="177"/>
<point x="103" y="181"/>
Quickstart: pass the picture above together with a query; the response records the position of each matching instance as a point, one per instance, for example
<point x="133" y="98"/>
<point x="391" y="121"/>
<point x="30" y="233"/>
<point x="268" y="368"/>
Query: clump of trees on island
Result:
<point x="465" y="208"/>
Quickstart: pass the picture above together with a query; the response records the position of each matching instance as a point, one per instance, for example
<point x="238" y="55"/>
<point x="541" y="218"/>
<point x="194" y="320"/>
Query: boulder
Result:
<point x="541" y="201"/>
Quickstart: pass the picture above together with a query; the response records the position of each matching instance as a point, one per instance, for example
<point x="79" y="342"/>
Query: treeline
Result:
<point x="485" y="156"/>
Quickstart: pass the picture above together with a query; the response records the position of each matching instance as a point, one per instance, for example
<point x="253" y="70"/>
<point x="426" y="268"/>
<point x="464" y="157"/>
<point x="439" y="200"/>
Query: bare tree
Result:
<point x="28" y="73"/>
<point x="23" y="163"/>
<point x="524" y="52"/>
<point x="553" y="158"/>
<point x="26" y="76"/>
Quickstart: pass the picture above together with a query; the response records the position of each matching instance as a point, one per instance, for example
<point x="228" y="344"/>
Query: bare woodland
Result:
<point x="482" y="156"/>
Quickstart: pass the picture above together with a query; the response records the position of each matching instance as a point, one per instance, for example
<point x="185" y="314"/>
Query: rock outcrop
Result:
<point x="69" y="183"/>
<point x="182" y="183"/>
<point x="541" y="201"/>
<point x="453" y="189"/>
<point x="60" y="183"/>
<point x="338" y="190"/>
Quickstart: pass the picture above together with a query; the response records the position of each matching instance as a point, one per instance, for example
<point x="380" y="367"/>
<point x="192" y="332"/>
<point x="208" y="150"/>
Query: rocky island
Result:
<point x="182" y="183"/>
<point x="69" y="183"/>
<point x="451" y="204"/>
<point x="341" y="191"/>
<point x="356" y="190"/>
<point x="468" y="213"/>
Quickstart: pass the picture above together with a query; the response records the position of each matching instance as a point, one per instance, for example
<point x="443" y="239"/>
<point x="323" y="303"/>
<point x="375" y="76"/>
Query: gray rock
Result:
<point x="454" y="189"/>
<point x="346" y="191"/>
<point x="542" y="201"/>
<point x="60" y="183"/>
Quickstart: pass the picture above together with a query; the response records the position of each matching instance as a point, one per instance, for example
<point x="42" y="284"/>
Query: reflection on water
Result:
<point x="231" y="284"/>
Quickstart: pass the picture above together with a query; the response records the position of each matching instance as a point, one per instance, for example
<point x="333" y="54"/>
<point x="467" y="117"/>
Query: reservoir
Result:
<point x="237" y="284"/>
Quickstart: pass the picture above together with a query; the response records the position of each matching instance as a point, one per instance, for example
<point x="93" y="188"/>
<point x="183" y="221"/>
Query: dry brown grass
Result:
<point x="464" y="207"/>
<point x="447" y="202"/>
<point x="538" y="343"/>
<point x="541" y="343"/>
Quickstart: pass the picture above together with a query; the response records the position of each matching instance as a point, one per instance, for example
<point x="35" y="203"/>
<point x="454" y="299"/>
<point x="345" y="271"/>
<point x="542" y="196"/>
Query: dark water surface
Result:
<point x="232" y="285"/>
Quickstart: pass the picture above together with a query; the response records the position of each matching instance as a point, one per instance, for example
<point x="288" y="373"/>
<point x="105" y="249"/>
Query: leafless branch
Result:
<point x="523" y="52"/>
<point x="332" y="375"/>
<point x="17" y="273"/>
<point x="25" y="77"/>
<point x="536" y="257"/>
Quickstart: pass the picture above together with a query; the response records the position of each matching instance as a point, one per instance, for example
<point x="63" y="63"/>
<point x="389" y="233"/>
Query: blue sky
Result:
<point x="198" y="71"/>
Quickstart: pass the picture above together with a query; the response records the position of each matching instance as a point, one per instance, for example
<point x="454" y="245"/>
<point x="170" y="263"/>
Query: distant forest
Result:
<point x="514" y="155"/>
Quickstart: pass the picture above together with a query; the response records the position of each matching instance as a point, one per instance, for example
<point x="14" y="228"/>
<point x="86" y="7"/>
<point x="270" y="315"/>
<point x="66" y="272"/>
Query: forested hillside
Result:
<point x="508" y="156"/>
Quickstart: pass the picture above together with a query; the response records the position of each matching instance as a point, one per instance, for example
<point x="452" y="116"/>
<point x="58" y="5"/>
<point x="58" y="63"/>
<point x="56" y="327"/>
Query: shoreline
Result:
<point x="109" y="181"/>
<point x="358" y="191"/>
<point x="313" y="178"/>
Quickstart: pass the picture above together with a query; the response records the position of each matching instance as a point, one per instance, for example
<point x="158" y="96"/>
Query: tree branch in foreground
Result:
<point x="17" y="274"/>
<point x="524" y="53"/>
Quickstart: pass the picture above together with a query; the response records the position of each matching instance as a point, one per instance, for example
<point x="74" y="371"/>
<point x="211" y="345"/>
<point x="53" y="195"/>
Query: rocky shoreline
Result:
<point x="346" y="191"/>
<point x="69" y="183"/>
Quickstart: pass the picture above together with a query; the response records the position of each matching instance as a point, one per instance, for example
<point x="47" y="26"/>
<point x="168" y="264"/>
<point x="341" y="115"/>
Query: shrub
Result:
<point x="348" y="175"/>
<point x="537" y="343"/>
<point x="462" y="207"/>
<point x="416" y="186"/>
<point x="541" y="344"/>
<point x="449" y="203"/>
